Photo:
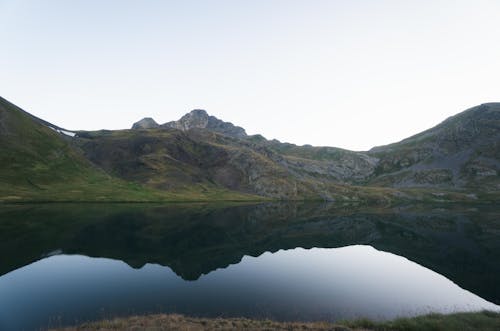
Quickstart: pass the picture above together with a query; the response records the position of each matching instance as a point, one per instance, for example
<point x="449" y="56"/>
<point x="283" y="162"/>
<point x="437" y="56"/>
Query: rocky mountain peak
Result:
<point x="197" y="118"/>
<point x="200" y="119"/>
<point x="197" y="113"/>
<point x="145" y="123"/>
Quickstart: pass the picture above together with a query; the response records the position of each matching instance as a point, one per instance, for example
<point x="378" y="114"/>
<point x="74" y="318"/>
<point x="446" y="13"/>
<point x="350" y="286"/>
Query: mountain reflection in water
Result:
<point x="196" y="239"/>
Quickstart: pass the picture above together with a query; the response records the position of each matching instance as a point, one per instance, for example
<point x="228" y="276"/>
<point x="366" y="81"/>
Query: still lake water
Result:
<point x="64" y="264"/>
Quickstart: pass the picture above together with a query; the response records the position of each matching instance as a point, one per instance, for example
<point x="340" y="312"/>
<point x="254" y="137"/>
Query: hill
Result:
<point x="40" y="161"/>
<point x="200" y="157"/>
<point x="171" y="159"/>
<point x="461" y="152"/>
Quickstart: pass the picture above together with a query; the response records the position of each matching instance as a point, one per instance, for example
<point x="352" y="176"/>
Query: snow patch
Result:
<point x="71" y="134"/>
<point x="67" y="133"/>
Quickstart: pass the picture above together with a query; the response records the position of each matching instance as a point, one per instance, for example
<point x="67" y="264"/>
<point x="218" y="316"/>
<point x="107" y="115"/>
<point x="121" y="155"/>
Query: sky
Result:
<point x="352" y="74"/>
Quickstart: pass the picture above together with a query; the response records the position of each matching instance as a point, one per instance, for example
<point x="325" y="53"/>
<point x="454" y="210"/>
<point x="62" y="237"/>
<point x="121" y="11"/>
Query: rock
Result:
<point x="145" y="123"/>
<point x="199" y="119"/>
<point x="459" y="152"/>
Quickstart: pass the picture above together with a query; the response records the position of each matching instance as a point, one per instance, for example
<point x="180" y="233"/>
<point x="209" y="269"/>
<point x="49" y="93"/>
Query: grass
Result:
<point x="114" y="191"/>
<point x="484" y="320"/>
<point x="38" y="165"/>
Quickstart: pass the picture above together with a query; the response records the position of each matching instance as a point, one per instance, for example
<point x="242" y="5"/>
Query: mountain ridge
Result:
<point x="39" y="161"/>
<point x="197" y="118"/>
<point x="465" y="146"/>
<point x="458" y="158"/>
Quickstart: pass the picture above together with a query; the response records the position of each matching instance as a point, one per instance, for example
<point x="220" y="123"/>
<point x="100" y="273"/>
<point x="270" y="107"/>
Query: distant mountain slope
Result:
<point x="462" y="151"/>
<point x="202" y="157"/>
<point x="169" y="159"/>
<point x="330" y="163"/>
<point x="38" y="162"/>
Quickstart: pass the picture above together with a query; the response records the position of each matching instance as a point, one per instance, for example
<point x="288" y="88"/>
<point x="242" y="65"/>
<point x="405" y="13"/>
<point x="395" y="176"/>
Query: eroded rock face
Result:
<point x="199" y="119"/>
<point x="145" y="123"/>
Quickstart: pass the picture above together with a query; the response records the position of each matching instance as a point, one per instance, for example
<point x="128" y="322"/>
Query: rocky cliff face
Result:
<point x="462" y="151"/>
<point x="197" y="118"/>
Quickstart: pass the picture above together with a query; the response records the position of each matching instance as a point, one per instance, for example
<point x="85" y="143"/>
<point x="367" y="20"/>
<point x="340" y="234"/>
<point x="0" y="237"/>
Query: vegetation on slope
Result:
<point x="458" y="157"/>
<point x="39" y="164"/>
<point x="171" y="159"/>
<point x="461" y="152"/>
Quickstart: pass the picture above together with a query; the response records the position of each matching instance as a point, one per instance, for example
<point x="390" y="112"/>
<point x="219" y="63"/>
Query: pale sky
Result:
<point x="351" y="74"/>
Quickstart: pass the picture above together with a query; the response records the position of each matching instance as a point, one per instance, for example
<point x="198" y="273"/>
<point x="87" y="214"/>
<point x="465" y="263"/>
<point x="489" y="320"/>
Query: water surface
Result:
<point x="65" y="264"/>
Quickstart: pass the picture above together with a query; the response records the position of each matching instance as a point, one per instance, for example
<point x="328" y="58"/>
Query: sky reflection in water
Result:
<point x="295" y="284"/>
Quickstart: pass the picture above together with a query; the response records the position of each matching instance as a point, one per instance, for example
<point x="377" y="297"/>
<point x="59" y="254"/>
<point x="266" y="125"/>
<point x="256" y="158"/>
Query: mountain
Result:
<point x="196" y="119"/>
<point x="461" y="152"/>
<point x="36" y="157"/>
<point x="40" y="161"/>
<point x="202" y="157"/>
<point x="171" y="159"/>
<point x="199" y="119"/>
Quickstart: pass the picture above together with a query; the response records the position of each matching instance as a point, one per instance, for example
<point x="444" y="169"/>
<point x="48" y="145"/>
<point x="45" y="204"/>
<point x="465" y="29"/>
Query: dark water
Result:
<point x="63" y="264"/>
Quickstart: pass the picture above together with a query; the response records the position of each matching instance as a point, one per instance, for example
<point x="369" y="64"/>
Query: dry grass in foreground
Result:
<point x="184" y="323"/>
<point x="484" y="320"/>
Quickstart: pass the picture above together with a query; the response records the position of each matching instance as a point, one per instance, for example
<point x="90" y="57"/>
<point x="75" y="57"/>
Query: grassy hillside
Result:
<point x="457" y="160"/>
<point x="170" y="159"/>
<point x="40" y="164"/>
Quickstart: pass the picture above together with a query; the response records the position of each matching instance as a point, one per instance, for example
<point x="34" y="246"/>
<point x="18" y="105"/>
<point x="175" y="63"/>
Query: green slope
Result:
<point x="39" y="164"/>
<point x="457" y="160"/>
<point x="170" y="159"/>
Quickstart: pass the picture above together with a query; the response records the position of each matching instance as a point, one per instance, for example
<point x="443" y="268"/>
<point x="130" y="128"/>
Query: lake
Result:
<point x="63" y="264"/>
